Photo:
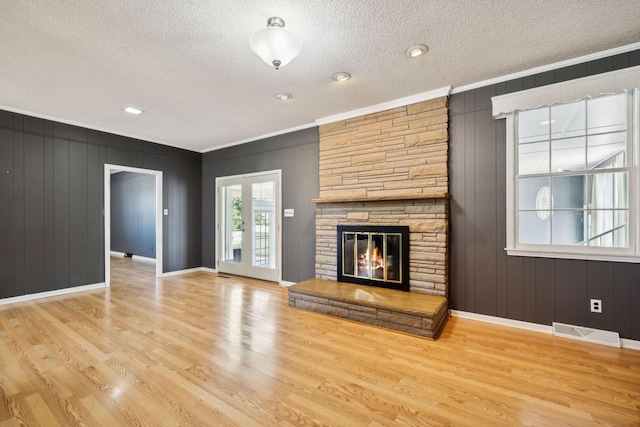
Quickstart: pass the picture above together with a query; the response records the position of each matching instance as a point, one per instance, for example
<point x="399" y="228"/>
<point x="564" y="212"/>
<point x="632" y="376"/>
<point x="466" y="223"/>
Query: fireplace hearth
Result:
<point x="374" y="255"/>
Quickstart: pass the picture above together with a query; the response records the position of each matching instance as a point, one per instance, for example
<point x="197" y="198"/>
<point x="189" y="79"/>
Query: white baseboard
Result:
<point x="624" y="343"/>
<point x="209" y="270"/>
<point x="632" y="344"/>
<point x="502" y="321"/>
<point x="55" y="293"/>
<point x="180" y="272"/>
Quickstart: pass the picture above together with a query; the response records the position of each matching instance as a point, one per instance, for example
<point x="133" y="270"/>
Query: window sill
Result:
<point x="578" y="256"/>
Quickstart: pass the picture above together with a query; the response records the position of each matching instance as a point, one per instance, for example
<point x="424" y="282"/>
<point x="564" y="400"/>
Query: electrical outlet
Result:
<point x="596" y="306"/>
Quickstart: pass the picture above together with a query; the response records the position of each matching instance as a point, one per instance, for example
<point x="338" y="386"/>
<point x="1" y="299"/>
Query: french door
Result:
<point x="248" y="225"/>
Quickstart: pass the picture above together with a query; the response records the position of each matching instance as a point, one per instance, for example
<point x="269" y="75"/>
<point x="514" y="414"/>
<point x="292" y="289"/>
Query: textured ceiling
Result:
<point x="189" y="66"/>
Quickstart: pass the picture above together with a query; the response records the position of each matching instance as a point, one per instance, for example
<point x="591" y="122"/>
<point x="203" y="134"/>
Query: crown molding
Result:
<point x="548" y="67"/>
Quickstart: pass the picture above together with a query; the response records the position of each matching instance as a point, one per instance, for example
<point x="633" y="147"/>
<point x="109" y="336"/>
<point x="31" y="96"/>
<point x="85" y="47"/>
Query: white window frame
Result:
<point x="505" y="106"/>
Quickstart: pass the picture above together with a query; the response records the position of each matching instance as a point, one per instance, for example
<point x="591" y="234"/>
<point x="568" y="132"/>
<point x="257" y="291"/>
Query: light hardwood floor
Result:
<point x="202" y="349"/>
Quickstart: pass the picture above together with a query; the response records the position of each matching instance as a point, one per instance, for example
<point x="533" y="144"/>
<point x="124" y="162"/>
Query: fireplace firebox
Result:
<point x="374" y="256"/>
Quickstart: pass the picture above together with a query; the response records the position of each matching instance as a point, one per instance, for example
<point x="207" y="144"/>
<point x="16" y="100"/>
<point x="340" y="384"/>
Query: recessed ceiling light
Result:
<point x="284" y="96"/>
<point x="341" y="76"/>
<point x="133" y="110"/>
<point x="415" y="51"/>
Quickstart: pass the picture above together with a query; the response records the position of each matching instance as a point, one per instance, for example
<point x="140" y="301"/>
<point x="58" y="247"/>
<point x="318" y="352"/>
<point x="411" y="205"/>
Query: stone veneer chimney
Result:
<point x="388" y="168"/>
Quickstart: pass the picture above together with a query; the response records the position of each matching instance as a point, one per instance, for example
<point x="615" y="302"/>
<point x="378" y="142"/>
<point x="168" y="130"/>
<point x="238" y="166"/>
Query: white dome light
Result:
<point x="275" y="45"/>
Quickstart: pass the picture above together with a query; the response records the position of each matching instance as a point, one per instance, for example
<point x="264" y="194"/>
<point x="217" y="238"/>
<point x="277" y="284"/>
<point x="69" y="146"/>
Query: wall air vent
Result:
<point x="580" y="333"/>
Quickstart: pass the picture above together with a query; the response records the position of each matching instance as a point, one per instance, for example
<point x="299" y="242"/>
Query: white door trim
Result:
<point x="108" y="169"/>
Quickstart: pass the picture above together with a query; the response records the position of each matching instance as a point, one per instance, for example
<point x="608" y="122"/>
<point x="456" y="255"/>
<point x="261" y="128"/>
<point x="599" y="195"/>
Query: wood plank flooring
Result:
<point x="206" y="350"/>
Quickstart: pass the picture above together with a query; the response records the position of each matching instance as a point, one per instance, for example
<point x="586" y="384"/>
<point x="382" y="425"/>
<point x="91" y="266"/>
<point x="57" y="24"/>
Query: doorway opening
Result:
<point x="248" y="231"/>
<point x="108" y="170"/>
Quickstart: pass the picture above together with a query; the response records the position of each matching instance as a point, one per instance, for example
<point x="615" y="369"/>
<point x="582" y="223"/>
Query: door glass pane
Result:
<point x="263" y="216"/>
<point x="232" y="223"/>
<point x="262" y="221"/>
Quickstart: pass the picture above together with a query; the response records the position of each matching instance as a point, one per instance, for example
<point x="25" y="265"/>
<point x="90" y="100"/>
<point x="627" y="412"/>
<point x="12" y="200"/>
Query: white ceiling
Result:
<point x="188" y="65"/>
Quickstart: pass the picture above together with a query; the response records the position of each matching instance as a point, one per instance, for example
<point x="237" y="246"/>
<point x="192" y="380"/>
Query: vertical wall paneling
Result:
<point x="18" y="213"/>
<point x="6" y="211"/>
<point x="571" y="288"/>
<point x="485" y="215"/>
<point x="545" y="286"/>
<point x="634" y="296"/>
<point x="49" y="215"/>
<point x="514" y="287"/>
<point x="621" y="294"/>
<point x="530" y="300"/>
<point x="502" y="283"/>
<point x="34" y="229"/>
<point x="483" y="278"/>
<point x="470" y="210"/>
<point x="95" y="218"/>
<point x="457" y="235"/>
<point x="61" y="217"/>
<point x="52" y="195"/>
<point x="78" y="211"/>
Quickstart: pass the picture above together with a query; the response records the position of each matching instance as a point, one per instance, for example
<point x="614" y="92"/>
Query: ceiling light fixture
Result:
<point x="132" y="110"/>
<point x="415" y="51"/>
<point x="284" y="96"/>
<point x="275" y="45"/>
<point x="341" y="77"/>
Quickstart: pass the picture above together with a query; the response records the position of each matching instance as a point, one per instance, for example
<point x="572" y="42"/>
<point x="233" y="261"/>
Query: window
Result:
<point x="572" y="177"/>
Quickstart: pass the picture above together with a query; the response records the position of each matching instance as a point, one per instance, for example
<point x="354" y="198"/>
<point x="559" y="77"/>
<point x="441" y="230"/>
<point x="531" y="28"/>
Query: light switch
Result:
<point x="288" y="213"/>
<point x="166" y="211"/>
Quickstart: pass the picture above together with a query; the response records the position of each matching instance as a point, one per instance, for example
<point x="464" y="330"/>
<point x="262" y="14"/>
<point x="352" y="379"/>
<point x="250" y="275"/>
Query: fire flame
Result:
<point x="370" y="259"/>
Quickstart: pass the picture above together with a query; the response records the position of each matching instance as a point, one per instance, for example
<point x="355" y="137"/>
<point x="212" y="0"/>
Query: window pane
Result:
<point x="568" y="192"/>
<point x="533" y="158"/>
<point x="533" y="229"/>
<point x="262" y="237"/>
<point x="568" y="154"/>
<point x="608" y="191"/>
<point x="607" y="150"/>
<point x="534" y="194"/>
<point x="568" y="228"/>
<point x="568" y="120"/>
<point x="607" y="113"/>
<point x="533" y="125"/>
<point x="609" y="228"/>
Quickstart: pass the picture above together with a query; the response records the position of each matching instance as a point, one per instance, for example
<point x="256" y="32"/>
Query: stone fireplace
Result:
<point x="388" y="169"/>
<point x="379" y="174"/>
